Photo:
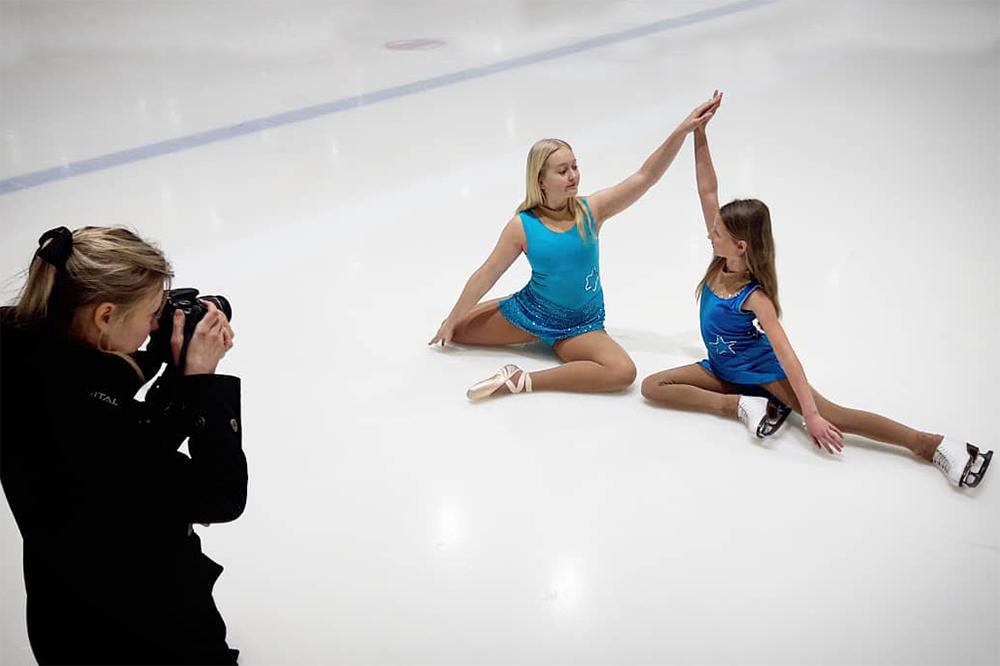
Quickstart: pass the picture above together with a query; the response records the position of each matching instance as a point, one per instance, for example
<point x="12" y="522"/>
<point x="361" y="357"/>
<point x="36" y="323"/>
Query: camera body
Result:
<point x="190" y="303"/>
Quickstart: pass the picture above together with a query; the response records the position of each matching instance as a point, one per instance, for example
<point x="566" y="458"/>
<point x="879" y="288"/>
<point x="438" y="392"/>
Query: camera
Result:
<point x="190" y="303"/>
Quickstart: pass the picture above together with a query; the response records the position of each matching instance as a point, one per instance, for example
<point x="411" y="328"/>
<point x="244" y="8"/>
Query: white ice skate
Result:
<point x="961" y="462"/>
<point x="761" y="416"/>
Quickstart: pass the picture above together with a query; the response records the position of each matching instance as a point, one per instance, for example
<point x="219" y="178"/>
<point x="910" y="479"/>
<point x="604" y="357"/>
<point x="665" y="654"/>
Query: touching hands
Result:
<point x="212" y="338"/>
<point x="702" y="113"/>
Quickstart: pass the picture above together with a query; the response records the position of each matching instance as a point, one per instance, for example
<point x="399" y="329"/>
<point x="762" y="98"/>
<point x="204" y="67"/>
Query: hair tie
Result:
<point x="58" y="251"/>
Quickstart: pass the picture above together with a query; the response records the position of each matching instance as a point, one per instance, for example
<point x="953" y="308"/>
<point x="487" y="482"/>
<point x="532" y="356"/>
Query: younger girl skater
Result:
<point x="745" y="364"/>
<point x="563" y="304"/>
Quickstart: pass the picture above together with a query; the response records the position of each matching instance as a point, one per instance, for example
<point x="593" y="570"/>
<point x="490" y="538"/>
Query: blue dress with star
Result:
<point x="564" y="297"/>
<point x="738" y="352"/>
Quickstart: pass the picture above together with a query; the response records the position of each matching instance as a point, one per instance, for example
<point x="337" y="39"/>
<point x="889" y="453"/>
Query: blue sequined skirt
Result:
<point x="551" y="322"/>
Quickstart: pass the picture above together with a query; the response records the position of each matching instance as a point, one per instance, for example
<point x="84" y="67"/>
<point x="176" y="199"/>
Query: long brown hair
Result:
<point x="537" y="156"/>
<point x="749" y="220"/>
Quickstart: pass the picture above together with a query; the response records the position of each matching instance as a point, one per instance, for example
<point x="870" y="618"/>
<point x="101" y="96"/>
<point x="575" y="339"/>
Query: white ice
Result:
<point x="392" y="522"/>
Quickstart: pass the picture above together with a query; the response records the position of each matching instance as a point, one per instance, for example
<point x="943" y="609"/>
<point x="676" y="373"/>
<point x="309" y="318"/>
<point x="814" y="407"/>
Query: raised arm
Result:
<point x="708" y="186"/>
<point x="511" y="244"/>
<point x="610" y="201"/>
<point x="823" y="432"/>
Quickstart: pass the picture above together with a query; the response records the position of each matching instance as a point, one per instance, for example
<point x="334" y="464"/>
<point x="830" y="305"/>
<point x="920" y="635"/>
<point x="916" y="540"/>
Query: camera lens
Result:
<point x="222" y="303"/>
<point x="190" y="303"/>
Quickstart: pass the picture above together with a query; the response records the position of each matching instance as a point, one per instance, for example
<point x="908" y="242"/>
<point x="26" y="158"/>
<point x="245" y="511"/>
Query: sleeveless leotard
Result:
<point x="564" y="297"/>
<point x="738" y="352"/>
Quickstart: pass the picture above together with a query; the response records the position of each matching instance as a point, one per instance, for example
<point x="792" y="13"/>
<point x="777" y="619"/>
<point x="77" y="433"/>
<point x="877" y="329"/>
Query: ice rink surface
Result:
<point x="390" y="521"/>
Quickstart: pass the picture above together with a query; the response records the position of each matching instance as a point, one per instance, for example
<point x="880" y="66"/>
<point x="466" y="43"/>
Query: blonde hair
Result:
<point x="105" y="264"/>
<point x="537" y="156"/>
<point x="749" y="220"/>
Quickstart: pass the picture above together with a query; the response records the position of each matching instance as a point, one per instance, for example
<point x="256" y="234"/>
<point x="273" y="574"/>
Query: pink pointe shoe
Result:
<point x="488" y="387"/>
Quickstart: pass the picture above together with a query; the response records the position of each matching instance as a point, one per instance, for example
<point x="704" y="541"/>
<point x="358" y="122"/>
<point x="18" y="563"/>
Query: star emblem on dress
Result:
<point x="593" y="277"/>
<point x="721" y="346"/>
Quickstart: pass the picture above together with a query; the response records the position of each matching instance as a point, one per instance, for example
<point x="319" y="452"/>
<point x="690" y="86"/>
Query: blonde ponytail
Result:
<point x="87" y="266"/>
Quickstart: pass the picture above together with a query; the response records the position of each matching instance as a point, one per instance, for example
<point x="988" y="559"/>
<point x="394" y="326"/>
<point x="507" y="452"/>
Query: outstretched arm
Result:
<point x="823" y="432"/>
<point x="708" y="186"/>
<point x="511" y="244"/>
<point x="609" y="202"/>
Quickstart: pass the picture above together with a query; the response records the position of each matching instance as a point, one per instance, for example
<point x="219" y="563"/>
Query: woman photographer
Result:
<point x="103" y="499"/>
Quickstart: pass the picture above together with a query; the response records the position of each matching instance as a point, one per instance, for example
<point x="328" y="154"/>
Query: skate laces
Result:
<point x="742" y="415"/>
<point x="950" y="456"/>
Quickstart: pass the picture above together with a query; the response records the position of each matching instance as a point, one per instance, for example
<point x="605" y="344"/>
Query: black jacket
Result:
<point x="104" y="500"/>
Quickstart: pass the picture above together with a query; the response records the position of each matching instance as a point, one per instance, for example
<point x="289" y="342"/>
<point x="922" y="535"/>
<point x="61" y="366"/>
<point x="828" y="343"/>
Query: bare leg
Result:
<point x="592" y="362"/>
<point x="692" y="388"/>
<point x="866" y="424"/>
<point x="484" y="325"/>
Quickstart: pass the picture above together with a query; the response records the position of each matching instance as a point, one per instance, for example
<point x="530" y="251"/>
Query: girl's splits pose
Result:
<point x="751" y="373"/>
<point x="563" y="304"/>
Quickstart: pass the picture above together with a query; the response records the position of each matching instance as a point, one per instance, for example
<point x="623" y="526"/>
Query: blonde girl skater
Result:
<point x="751" y="373"/>
<point x="563" y="303"/>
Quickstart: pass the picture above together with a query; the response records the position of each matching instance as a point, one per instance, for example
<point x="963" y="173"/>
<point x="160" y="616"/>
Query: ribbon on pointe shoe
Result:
<point x="488" y="387"/>
<point x="523" y="382"/>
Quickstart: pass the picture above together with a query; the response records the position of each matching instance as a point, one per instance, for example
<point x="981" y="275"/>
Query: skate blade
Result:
<point x="972" y="478"/>
<point x="769" y="426"/>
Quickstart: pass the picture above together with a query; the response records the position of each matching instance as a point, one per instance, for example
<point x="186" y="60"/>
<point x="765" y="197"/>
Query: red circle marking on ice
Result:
<point x="414" y="44"/>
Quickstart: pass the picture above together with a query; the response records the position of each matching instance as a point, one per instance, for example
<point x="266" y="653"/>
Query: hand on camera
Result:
<point x="212" y="338"/>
